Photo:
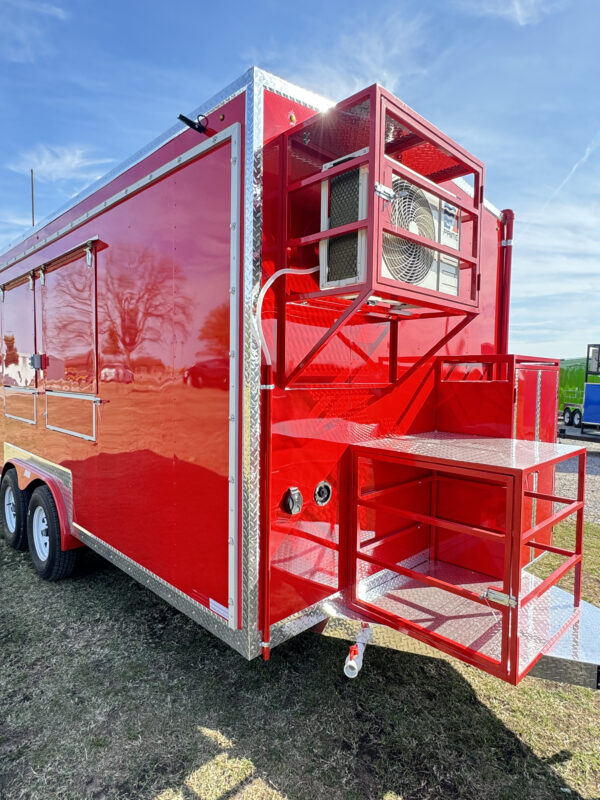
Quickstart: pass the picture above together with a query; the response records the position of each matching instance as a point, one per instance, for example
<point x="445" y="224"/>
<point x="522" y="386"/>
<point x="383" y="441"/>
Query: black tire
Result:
<point x="17" y="537"/>
<point x="576" y="419"/>
<point x="54" y="563"/>
<point x="567" y="416"/>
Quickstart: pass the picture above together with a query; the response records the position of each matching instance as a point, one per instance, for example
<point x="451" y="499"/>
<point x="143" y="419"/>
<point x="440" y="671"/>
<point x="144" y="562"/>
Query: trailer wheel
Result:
<point x="43" y="533"/>
<point x="567" y="416"/>
<point x="576" y="419"/>
<point x="13" y="518"/>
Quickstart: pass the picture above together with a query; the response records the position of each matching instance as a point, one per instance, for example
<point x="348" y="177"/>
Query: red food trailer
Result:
<point x="262" y="367"/>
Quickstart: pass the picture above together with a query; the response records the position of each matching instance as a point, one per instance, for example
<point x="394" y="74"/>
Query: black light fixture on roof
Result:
<point x="200" y="125"/>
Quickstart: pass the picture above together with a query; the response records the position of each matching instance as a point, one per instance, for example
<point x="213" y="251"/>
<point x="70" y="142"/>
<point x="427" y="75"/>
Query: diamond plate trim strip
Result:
<point x="250" y="438"/>
<point x="303" y="620"/>
<point x="252" y="248"/>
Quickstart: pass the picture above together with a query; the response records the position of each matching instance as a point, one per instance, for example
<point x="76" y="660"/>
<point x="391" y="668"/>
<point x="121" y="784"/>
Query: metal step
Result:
<point x="575" y="658"/>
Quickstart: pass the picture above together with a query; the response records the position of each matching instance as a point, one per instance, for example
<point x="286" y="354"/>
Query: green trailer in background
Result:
<point x="574" y="374"/>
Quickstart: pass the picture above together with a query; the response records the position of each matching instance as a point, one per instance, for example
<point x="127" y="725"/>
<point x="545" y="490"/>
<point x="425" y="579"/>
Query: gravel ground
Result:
<point x="566" y="479"/>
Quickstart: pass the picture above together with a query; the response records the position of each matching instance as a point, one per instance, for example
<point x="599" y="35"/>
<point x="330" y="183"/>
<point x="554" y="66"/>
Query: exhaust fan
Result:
<point x="343" y="258"/>
<point x="420" y="212"/>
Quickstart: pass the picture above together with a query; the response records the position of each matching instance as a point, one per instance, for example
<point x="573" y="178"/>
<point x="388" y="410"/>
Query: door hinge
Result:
<point x="499" y="597"/>
<point x="89" y="248"/>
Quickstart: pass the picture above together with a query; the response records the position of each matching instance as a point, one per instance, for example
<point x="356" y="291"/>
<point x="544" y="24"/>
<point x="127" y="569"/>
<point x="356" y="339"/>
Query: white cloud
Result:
<point x="556" y="271"/>
<point x="58" y="164"/>
<point x="556" y="254"/>
<point x="579" y="163"/>
<point x="45" y="9"/>
<point x="375" y="48"/>
<point x="521" y="12"/>
<point x="556" y="326"/>
<point x="25" y="27"/>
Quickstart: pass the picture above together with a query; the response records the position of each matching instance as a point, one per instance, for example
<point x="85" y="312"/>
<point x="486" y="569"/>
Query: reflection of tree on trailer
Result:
<point x="576" y="374"/>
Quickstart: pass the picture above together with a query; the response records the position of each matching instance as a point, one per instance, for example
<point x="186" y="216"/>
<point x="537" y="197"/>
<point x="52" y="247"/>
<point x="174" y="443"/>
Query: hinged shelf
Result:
<point x="435" y="538"/>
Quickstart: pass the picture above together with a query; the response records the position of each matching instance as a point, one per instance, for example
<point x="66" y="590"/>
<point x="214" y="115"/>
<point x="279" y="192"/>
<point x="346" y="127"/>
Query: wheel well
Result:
<point x="31" y="486"/>
<point x="6" y="467"/>
<point x="35" y="483"/>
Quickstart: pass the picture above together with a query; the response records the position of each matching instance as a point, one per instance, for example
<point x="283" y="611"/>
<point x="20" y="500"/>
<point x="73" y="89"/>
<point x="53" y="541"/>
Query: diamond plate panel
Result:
<point x="308" y="560"/>
<point x="457" y="618"/>
<point x="508" y="453"/>
<point x="340" y="133"/>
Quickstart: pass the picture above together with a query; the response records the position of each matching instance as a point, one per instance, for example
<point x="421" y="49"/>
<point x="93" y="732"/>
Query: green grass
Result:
<point x="107" y="693"/>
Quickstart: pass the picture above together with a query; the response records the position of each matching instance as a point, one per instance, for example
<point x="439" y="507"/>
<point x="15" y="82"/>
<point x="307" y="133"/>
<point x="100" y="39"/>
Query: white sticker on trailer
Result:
<point x="219" y="609"/>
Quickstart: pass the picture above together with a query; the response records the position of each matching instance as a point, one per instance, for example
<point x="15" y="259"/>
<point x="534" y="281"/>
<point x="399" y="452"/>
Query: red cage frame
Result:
<point x="515" y="482"/>
<point x="348" y="302"/>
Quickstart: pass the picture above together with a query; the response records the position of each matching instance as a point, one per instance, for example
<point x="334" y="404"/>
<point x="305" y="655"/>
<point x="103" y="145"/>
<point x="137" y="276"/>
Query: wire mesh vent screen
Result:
<point x="342" y="259"/>
<point x="343" y="201"/>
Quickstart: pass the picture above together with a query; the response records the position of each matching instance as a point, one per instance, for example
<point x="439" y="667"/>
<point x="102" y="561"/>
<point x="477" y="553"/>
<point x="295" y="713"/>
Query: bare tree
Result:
<point x="214" y="333"/>
<point x="68" y="309"/>
<point x="140" y="301"/>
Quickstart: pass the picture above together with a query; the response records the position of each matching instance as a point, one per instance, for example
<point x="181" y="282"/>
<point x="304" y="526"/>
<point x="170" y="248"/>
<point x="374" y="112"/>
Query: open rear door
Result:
<point x="436" y="534"/>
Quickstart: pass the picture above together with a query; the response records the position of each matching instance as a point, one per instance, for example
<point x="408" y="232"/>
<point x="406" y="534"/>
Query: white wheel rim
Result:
<point x="41" y="540"/>
<point x="10" y="510"/>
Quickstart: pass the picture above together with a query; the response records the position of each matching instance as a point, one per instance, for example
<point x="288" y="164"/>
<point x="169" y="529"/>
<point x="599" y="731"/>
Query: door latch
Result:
<point x="38" y="361"/>
<point x="499" y="597"/>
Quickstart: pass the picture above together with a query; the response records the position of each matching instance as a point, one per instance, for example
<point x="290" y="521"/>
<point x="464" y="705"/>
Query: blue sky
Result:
<point x="83" y="85"/>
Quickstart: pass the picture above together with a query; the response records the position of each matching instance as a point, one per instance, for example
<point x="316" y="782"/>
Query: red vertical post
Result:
<point x="433" y="531"/>
<point x="514" y="532"/>
<point x="508" y="222"/>
<point x="265" y="545"/>
<point x="394" y="351"/>
<point x="579" y="526"/>
<point x="351" y="527"/>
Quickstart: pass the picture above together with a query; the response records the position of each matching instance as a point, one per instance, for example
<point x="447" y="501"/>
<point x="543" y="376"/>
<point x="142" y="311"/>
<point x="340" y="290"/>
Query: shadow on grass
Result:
<point x="108" y="693"/>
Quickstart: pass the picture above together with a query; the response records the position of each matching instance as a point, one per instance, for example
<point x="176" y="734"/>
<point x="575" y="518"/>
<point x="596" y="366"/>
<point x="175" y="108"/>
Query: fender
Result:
<point x="27" y="474"/>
